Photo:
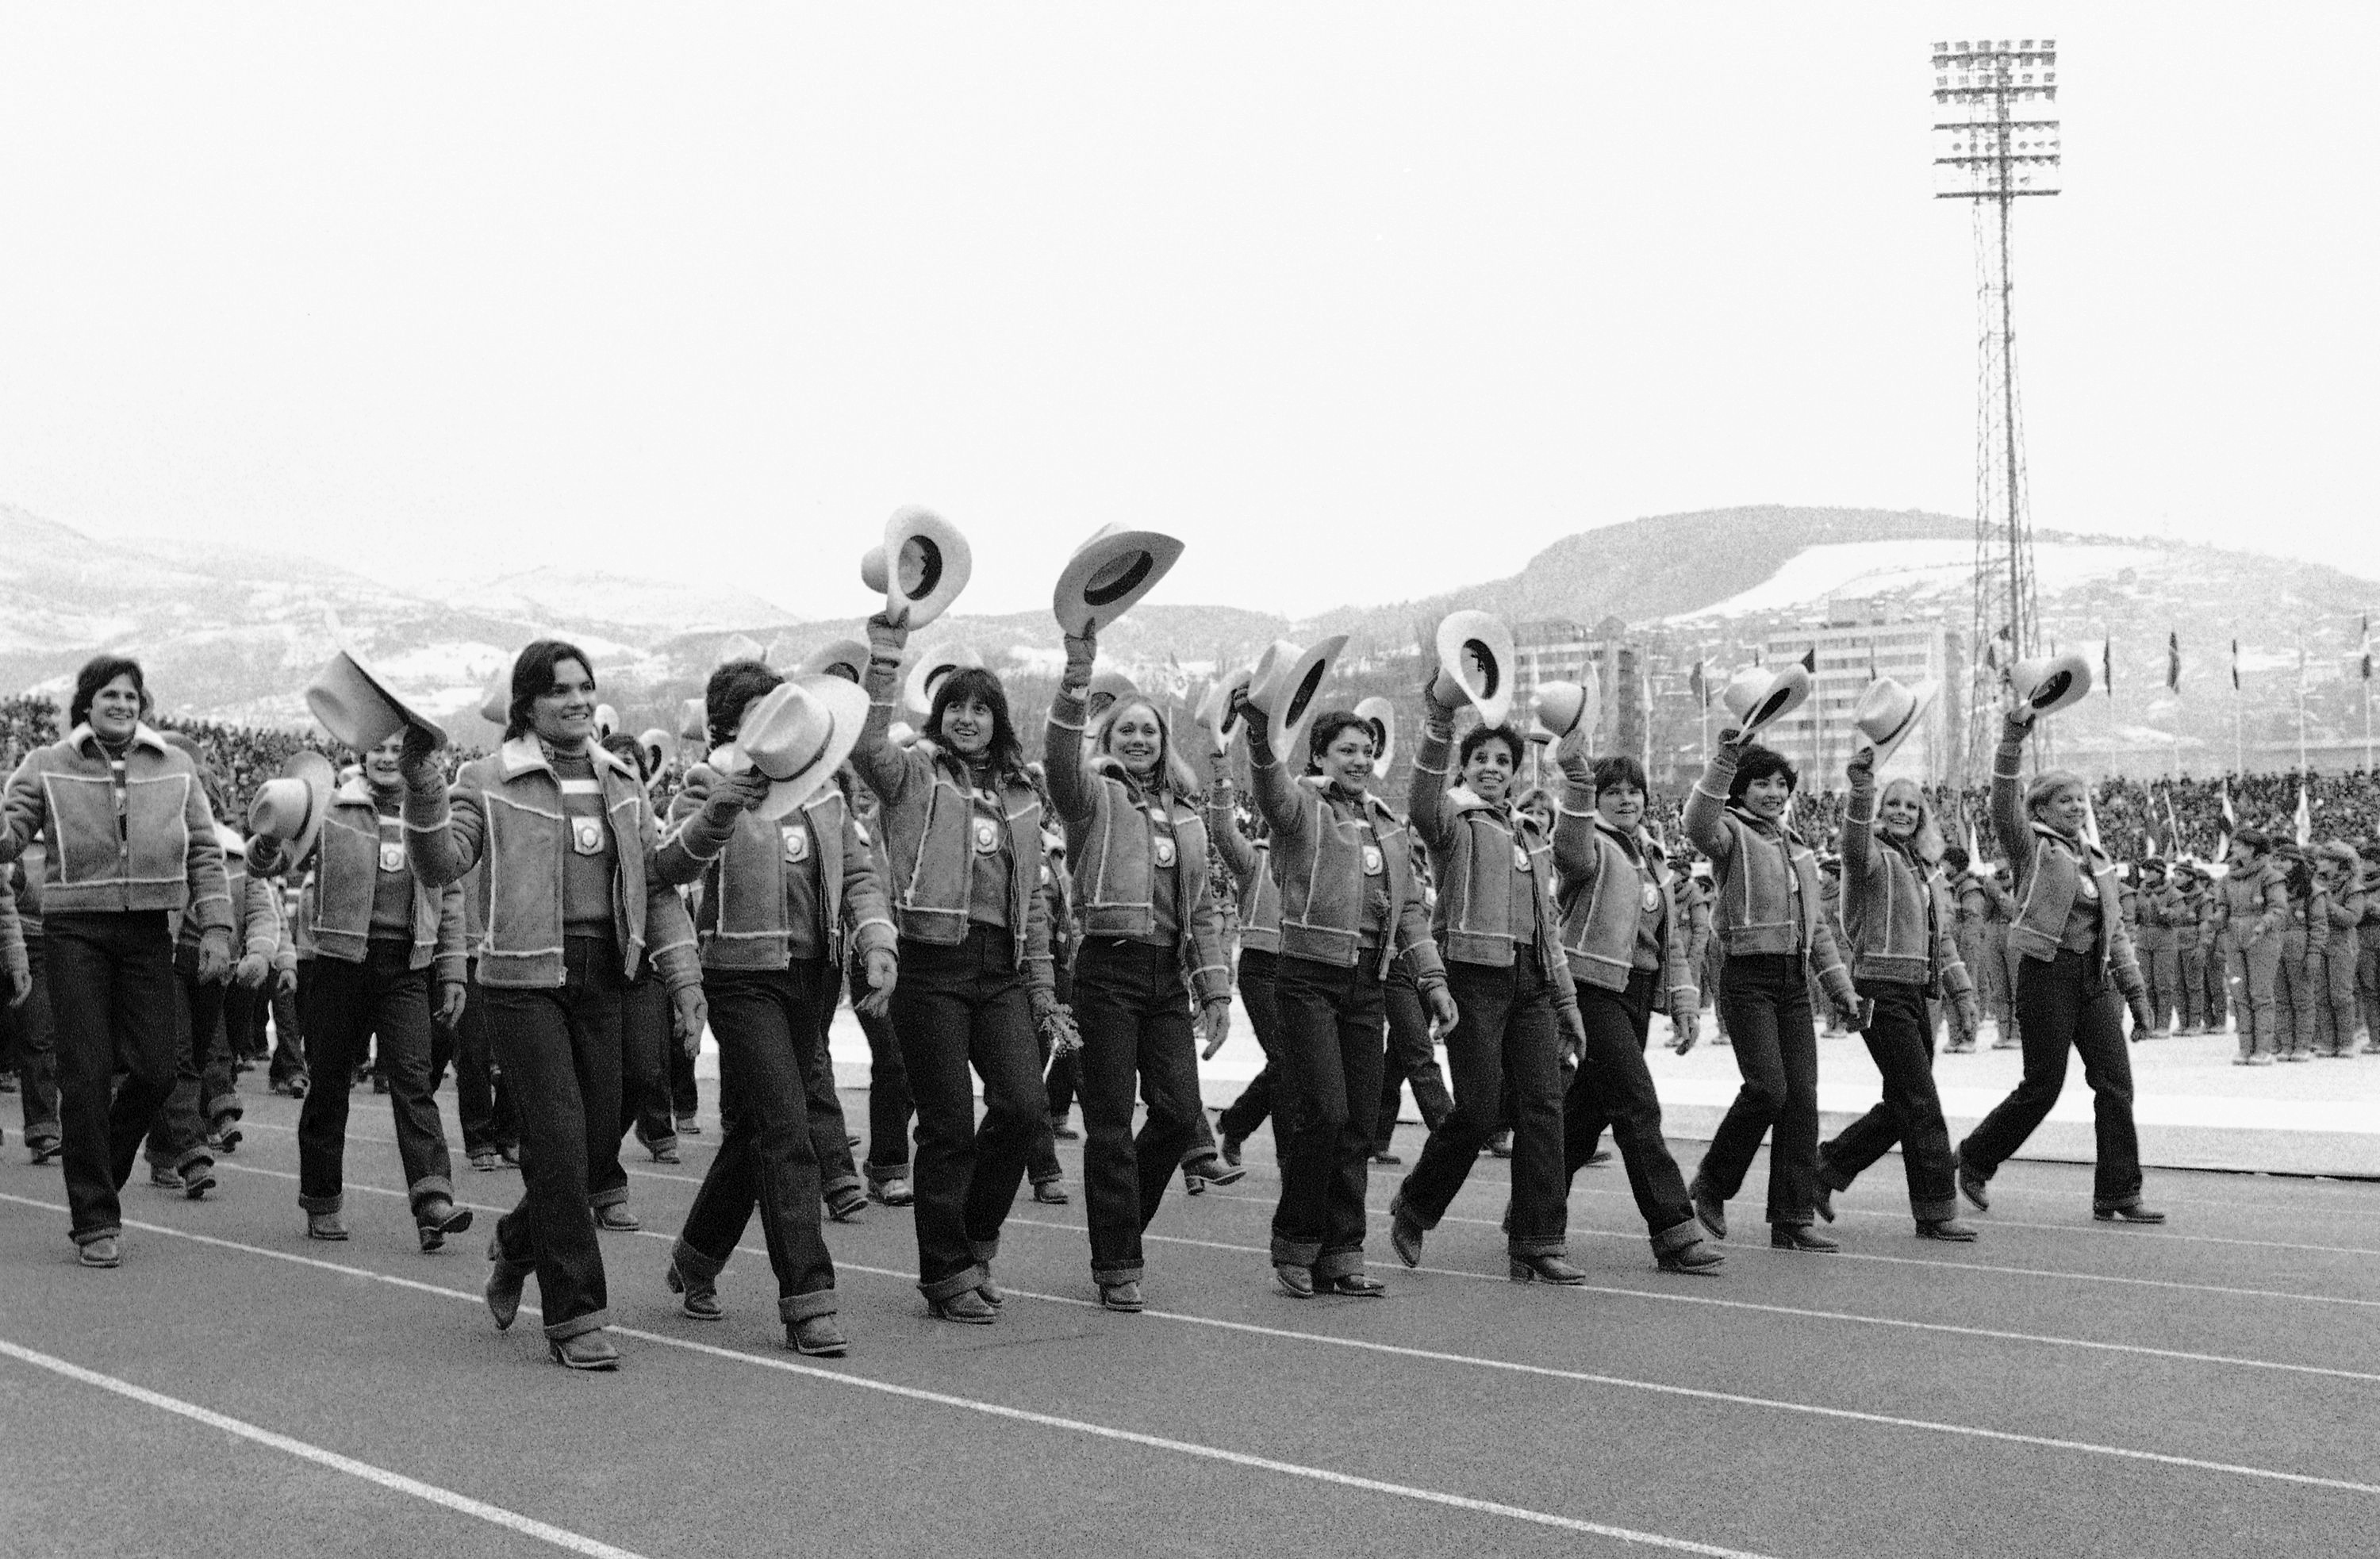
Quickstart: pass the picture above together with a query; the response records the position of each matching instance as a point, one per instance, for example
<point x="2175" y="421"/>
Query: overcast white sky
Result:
<point x="1361" y="300"/>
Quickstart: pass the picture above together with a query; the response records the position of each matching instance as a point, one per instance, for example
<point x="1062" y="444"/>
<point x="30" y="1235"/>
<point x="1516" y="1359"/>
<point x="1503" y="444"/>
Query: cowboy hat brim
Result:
<point x="846" y="705"/>
<point x="2050" y="683"/>
<point x="1287" y="686"/>
<point x="1475" y="663"/>
<point x="360" y="710"/>
<point x="1215" y="709"/>
<point x="314" y="770"/>
<point x="1564" y="708"/>
<point x="921" y="566"/>
<point x="917" y="688"/>
<point x="1920" y="700"/>
<point x="1381" y="716"/>
<point x="846" y="658"/>
<point x="1108" y="574"/>
<point x="1784" y="692"/>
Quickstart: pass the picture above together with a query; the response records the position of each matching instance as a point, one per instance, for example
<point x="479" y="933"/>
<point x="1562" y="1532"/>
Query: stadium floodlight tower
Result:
<point x="1996" y="140"/>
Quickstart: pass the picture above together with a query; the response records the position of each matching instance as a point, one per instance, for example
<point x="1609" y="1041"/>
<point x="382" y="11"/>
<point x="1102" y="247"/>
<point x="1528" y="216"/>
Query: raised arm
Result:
<point x="879" y="759"/>
<point x="1223" y="824"/>
<point x="2008" y="806"/>
<point x="1707" y="806"/>
<point x="1431" y="818"/>
<point x="1577" y="855"/>
<point x="1858" y="841"/>
<point x="1061" y="743"/>
<point x="1277" y="795"/>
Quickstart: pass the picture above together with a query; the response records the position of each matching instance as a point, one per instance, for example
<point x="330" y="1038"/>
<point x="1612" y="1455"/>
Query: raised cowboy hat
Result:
<point x="290" y="807"/>
<point x="1109" y="573"/>
<point x="1758" y="695"/>
<point x="358" y="708"/>
<point x="797" y="732"/>
<point x="1563" y="708"/>
<point x="658" y="748"/>
<point x="1106" y="688"/>
<point x="496" y="708"/>
<point x="1887" y="713"/>
<point x="846" y="658"/>
<point x="1474" y="665"/>
<point x="933" y="564"/>
<point x="1381" y="716"/>
<point x="693" y="720"/>
<point x="2050" y="683"/>
<point x="928" y="674"/>
<point x="1284" y="684"/>
<point x="607" y="722"/>
<point x="1215" y="709"/>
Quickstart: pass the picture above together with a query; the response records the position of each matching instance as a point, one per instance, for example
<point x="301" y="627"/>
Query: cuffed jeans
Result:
<point x="2064" y="1003"/>
<point x="766" y="1021"/>
<point x="1766" y="999"/>
<point x="111" y="1008"/>
<point x="1331" y="1056"/>
<point x="1243" y="1115"/>
<point x="1410" y="1057"/>
<point x="559" y="1045"/>
<point x="29" y="1035"/>
<point x="1505" y="1055"/>
<point x="957" y="1007"/>
<point x="1901" y="1042"/>
<point x="1613" y="1087"/>
<point x="346" y="1004"/>
<point x="202" y="1096"/>
<point x="1134" y="1015"/>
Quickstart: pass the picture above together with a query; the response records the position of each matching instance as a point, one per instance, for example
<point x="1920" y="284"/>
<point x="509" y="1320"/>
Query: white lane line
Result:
<point x="495" y="1515"/>
<point x="913" y="1394"/>
<point x="1548" y="1371"/>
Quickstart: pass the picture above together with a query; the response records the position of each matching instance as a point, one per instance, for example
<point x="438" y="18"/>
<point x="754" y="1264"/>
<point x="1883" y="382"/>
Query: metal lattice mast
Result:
<point x="1996" y="139"/>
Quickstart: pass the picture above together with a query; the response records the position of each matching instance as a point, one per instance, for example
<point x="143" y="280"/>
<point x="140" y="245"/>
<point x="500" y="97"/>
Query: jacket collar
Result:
<point x="2083" y="849"/>
<point x="1781" y="831"/>
<point x="86" y="740"/>
<point x="1641" y="846"/>
<point x="523" y="753"/>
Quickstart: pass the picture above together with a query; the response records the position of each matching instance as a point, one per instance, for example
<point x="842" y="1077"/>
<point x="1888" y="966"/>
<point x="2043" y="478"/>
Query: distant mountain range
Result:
<point x="235" y="633"/>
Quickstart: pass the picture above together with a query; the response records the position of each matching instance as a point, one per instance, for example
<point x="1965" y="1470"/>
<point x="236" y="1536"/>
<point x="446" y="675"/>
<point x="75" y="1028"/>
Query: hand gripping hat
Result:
<point x="1109" y="573"/>
<point x="658" y="748"/>
<point x="1474" y="665"/>
<point x="1887" y="713"/>
<point x="2050" y="683"/>
<point x="797" y="732"/>
<point x="928" y="674"/>
<point x="1381" y="716"/>
<point x="291" y="806"/>
<point x="1215" y="709"/>
<point x="1759" y="695"/>
<point x="356" y="706"/>
<point x="846" y="658"/>
<point x="1284" y="685"/>
<point x="921" y="566"/>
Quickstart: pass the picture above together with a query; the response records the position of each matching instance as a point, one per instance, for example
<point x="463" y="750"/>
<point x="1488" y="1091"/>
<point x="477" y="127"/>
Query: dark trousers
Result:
<point x="888" y="1104"/>
<point x="1613" y="1087"/>
<point x="645" y="1046"/>
<point x="1900" y="1039"/>
<point x="1243" y="1115"/>
<point x="1767" y="1000"/>
<point x="1331" y="1056"/>
<point x="1410" y="1058"/>
<point x="686" y="1095"/>
<point x="559" y="1045"/>
<point x="765" y="1020"/>
<point x="482" y="1097"/>
<point x="243" y="1020"/>
<point x="289" y="1042"/>
<point x="1506" y="1058"/>
<point x="112" y="994"/>
<point x="346" y="1004"/>
<point x="1134" y="1015"/>
<point x="203" y="1098"/>
<point x="31" y="1038"/>
<point x="1059" y="1085"/>
<point x="830" y="1133"/>
<point x="957" y="1007"/>
<point x="2059" y="1004"/>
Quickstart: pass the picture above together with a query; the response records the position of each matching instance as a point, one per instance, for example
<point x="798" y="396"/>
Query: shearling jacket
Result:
<point x="255" y="930"/>
<point x="151" y="848"/>
<point x="507" y="809"/>
<point x="1250" y="861"/>
<point x="1475" y="851"/>
<point x="1603" y="902"/>
<point x="1893" y="911"/>
<point x="343" y="872"/>
<point x="1756" y="868"/>
<point x="2049" y="871"/>
<point x="1318" y="859"/>
<point x="739" y="920"/>
<point x="1111" y="851"/>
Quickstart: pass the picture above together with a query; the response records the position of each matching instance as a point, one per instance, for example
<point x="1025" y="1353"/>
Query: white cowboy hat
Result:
<point x="1887" y="713"/>
<point x="1215" y="709"/>
<point x="1474" y="665"/>
<point x="2050" y="683"/>
<point x="797" y="732"/>
<point x="1109" y="573"/>
<point x="356" y="706"/>
<point x="1562" y="708"/>
<point x="1381" y="716"/>
<point x="900" y="734"/>
<point x="934" y="564"/>
<point x="1106" y="688"/>
<point x="607" y="722"/>
<point x="291" y="806"/>
<point x="928" y="674"/>
<point x="693" y="720"/>
<point x="846" y="658"/>
<point x="1284" y="684"/>
<point x="658" y="746"/>
<point x="1759" y="695"/>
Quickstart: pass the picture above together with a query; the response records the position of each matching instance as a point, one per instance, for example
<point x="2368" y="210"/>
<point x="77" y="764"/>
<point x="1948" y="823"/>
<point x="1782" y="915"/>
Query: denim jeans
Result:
<point x="482" y="1096"/>
<point x="2062" y="1003"/>
<point x="645" y="1045"/>
<point x="203" y="1097"/>
<point x="1766" y="999"/>
<point x="346" y="1004"/>
<point x="1134" y="1015"/>
<point x="890" y="1107"/>
<point x="830" y="1134"/>
<point x="1243" y="1115"/>
<point x="559" y="1045"/>
<point x="1330" y="1061"/>
<point x="957" y="1007"/>
<point x="1613" y="1087"/>
<point x="766" y="1021"/>
<point x="1506" y="1058"/>
<point x="1901" y="1041"/>
<point x="685" y="1093"/>
<point x="111" y="996"/>
<point x="1410" y="1058"/>
<point x="28" y="1035"/>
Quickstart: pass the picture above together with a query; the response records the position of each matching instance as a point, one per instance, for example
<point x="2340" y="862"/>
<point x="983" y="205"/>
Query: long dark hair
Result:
<point x="1006" y="754"/>
<point x="97" y="673"/>
<point x="533" y="678"/>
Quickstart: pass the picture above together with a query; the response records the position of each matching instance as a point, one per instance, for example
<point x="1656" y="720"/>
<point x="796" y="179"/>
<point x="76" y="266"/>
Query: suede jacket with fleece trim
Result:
<point x="506" y="809"/>
<point x="336" y="905"/>
<point x="925" y="815"/>
<point x="1896" y="917"/>
<point x="1603" y="910"/>
<point x="1317" y="860"/>
<point x="1250" y="862"/>
<point x="163" y="854"/>
<point x="14" y="929"/>
<point x="739" y="918"/>
<point x="1111" y="851"/>
<point x="2049" y="871"/>
<point x="1475" y="850"/>
<point x="1754" y="868"/>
